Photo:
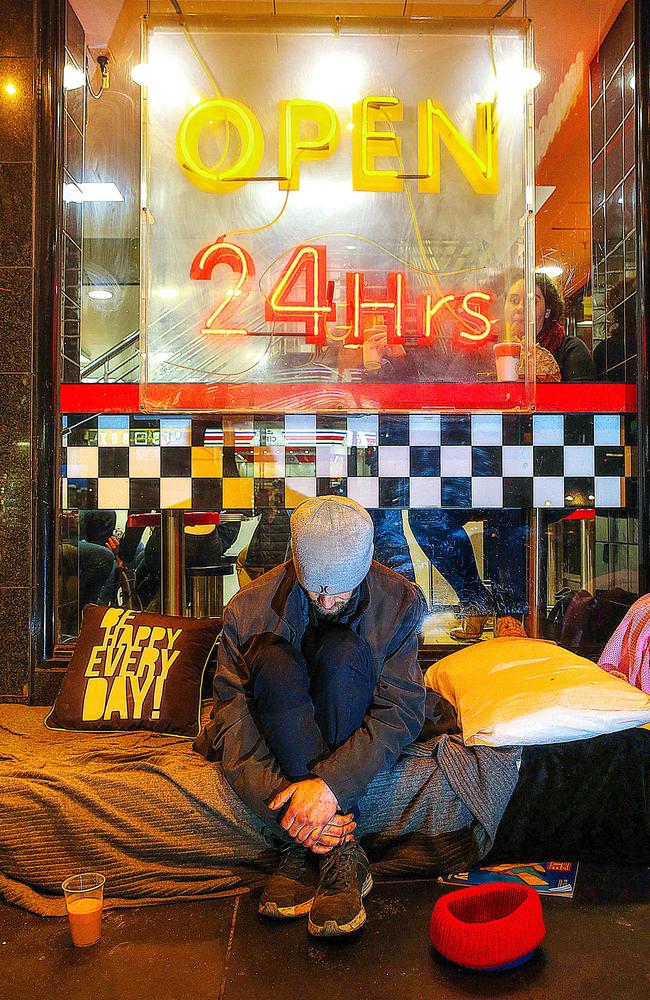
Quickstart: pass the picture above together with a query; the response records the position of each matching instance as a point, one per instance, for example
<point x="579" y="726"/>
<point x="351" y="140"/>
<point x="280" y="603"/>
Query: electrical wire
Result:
<point x="89" y="85"/>
<point x="506" y="7"/>
<point x="206" y="69"/>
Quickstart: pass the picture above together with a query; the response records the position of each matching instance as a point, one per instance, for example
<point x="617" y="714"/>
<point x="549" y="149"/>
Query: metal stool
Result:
<point x="206" y="588"/>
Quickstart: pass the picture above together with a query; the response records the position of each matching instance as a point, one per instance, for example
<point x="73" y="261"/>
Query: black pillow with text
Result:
<point x="133" y="670"/>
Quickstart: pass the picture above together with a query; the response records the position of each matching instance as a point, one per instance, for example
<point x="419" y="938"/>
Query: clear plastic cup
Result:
<point x="84" y="900"/>
<point x="507" y="357"/>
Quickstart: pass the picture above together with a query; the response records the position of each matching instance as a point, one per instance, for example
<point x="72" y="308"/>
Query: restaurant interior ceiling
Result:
<point x="566" y="38"/>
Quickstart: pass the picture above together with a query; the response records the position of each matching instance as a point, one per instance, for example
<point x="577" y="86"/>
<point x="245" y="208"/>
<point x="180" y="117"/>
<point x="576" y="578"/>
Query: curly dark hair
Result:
<point x="552" y="297"/>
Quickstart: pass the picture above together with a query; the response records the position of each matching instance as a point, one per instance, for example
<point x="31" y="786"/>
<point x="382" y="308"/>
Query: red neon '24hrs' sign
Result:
<point x="313" y="306"/>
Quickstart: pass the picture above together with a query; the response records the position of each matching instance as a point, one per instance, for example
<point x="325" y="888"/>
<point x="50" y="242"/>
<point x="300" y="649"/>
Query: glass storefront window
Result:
<point x="512" y="500"/>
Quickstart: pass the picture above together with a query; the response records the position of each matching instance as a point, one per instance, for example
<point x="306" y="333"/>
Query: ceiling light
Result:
<point x="530" y="78"/>
<point x="550" y="270"/>
<point x="166" y="293"/>
<point x="91" y="191"/>
<point x="350" y="126"/>
<point x="11" y="89"/>
<point x="73" y="78"/>
<point x="100" y="293"/>
<point x="337" y="78"/>
<point x="513" y="80"/>
<point x="142" y="74"/>
<point x="584" y="322"/>
<point x="351" y="246"/>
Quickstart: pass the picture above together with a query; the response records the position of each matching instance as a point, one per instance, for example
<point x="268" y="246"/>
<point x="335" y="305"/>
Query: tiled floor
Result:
<point x="596" y="948"/>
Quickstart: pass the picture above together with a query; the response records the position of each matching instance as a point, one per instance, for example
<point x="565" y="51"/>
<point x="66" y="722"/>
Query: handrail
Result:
<point x="111" y="353"/>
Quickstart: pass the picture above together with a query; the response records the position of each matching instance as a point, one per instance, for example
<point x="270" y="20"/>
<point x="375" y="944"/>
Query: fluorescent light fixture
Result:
<point x="100" y="293"/>
<point x="159" y="357"/>
<point x="91" y="191"/>
<point x="584" y="322"/>
<point x="73" y="78"/>
<point x="550" y="270"/>
<point x="351" y="246"/>
<point x="166" y="293"/>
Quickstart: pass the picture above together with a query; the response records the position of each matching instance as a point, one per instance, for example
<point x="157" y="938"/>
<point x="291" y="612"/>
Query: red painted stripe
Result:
<point x="99" y="397"/>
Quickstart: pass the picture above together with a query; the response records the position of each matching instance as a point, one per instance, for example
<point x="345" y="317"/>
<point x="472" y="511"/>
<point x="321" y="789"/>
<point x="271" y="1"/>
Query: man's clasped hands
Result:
<point x="311" y="817"/>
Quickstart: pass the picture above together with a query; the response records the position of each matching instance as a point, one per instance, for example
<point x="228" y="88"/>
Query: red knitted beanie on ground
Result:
<point x="488" y="927"/>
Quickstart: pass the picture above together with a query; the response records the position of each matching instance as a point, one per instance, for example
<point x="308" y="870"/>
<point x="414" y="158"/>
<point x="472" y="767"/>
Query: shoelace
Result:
<point x="293" y="861"/>
<point x="338" y="869"/>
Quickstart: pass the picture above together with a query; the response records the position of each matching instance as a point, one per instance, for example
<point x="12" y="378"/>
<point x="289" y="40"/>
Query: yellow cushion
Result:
<point x="514" y="691"/>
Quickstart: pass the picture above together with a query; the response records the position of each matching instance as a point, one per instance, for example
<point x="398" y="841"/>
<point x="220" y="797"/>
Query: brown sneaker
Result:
<point x="290" y="891"/>
<point x="471" y="630"/>
<point x="344" y="880"/>
<point x="510" y="628"/>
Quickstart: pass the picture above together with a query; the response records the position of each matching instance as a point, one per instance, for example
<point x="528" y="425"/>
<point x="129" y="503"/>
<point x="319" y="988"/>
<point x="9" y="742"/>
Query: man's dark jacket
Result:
<point x="389" y="616"/>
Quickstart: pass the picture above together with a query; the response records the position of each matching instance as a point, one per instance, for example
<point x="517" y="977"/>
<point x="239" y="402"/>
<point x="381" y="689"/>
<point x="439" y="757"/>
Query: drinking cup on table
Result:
<point x="84" y="899"/>
<point x="507" y="361"/>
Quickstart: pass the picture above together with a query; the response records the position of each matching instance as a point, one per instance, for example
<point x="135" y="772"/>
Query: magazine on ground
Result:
<point x="549" y="878"/>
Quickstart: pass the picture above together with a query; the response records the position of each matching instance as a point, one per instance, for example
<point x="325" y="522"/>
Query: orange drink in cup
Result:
<point x="507" y="361"/>
<point x="84" y="900"/>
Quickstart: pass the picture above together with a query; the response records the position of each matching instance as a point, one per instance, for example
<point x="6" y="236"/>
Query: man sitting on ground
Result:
<point x="317" y="690"/>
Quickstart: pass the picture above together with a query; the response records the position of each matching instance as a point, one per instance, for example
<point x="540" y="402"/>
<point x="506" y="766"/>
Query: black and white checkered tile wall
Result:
<point x="388" y="461"/>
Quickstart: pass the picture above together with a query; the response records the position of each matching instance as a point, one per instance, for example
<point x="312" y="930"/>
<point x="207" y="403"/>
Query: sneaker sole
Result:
<point x="331" y="929"/>
<point x="275" y="912"/>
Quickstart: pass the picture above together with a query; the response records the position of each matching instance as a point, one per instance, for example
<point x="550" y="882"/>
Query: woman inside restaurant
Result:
<point x="559" y="358"/>
<point x="440" y="533"/>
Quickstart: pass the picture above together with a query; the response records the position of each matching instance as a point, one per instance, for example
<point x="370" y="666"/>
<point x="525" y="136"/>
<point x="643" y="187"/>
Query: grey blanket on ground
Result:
<point x="163" y="824"/>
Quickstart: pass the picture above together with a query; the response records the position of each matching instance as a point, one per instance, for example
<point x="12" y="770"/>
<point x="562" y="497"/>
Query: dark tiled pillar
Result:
<point x="16" y="356"/>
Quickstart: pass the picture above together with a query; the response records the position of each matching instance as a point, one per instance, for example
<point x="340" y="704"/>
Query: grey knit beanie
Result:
<point x="331" y="543"/>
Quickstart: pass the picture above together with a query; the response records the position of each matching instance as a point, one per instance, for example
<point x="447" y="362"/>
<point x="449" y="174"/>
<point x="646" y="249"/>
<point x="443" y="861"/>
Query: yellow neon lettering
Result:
<point x="292" y="149"/>
<point x="369" y="143"/>
<point x="478" y="315"/>
<point x="479" y="166"/>
<point x="188" y="138"/>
